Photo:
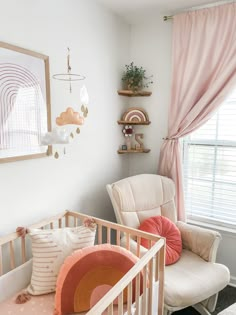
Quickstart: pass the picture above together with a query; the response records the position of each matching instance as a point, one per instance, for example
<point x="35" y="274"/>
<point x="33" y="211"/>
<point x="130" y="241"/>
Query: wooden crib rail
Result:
<point x="107" y="301"/>
<point x="115" y="226"/>
<point x="39" y="225"/>
<point x="9" y="240"/>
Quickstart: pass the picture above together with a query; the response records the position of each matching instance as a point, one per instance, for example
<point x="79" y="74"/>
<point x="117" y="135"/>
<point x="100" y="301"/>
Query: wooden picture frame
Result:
<point x="25" y="110"/>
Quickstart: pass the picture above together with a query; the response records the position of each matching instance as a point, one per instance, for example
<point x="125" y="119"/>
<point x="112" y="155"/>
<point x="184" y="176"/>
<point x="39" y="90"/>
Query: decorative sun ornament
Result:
<point x="128" y="131"/>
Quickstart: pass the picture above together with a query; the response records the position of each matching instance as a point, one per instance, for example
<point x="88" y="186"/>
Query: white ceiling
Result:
<point x="130" y="9"/>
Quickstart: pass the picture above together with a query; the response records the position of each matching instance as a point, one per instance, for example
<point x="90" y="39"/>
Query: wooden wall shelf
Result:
<point x="132" y="93"/>
<point x="133" y="151"/>
<point x="123" y="122"/>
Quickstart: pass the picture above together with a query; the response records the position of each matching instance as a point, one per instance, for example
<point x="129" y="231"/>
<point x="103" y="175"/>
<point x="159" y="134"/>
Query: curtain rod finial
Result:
<point x="167" y="17"/>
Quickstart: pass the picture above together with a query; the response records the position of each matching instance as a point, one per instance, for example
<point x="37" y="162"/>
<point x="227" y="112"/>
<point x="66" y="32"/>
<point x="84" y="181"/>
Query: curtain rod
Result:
<point x="170" y="17"/>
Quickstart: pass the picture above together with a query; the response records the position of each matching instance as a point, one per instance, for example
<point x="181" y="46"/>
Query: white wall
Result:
<point x="99" y="43"/>
<point x="151" y="48"/>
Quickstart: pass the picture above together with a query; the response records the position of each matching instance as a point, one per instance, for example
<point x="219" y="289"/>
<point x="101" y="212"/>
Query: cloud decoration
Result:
<point x="84" y="98"/>
<point x="57" y="136"/>
<point x="69" y="117"/>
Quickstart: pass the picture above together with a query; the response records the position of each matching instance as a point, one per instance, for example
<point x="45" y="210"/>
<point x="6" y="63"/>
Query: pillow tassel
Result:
<point x="22" y="298"/>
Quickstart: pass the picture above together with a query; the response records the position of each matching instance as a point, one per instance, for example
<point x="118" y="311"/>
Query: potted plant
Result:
<point x="135" y="78"/>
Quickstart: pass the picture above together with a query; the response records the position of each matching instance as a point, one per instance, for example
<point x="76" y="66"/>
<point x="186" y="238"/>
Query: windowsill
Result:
<point x="212" y="226"/>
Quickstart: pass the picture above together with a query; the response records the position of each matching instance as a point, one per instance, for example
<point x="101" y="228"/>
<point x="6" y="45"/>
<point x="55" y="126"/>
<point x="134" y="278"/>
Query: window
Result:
<point x="209" y="165"/>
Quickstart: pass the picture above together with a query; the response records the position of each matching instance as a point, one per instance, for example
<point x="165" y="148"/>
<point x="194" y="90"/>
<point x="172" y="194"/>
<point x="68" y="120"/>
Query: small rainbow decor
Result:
<point x="88" y="274"/>
<point x="135" y="114"/>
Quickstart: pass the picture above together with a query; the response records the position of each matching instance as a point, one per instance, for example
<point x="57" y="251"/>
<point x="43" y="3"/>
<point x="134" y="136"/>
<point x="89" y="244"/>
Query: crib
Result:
<point x="15" y="271"/>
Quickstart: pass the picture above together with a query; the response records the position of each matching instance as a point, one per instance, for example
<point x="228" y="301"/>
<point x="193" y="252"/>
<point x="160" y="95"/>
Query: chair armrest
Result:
<point x="201" y="241"/>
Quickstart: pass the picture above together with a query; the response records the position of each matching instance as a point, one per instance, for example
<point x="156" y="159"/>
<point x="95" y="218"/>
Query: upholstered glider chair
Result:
<point x="195" y="279"/>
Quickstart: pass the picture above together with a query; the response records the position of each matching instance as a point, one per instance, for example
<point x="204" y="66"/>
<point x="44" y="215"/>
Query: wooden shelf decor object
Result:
<point x="135" y="116"/>
<point x="131" y="93"/>
<point x="123" y="122"/>
<point x="133" y="151"/>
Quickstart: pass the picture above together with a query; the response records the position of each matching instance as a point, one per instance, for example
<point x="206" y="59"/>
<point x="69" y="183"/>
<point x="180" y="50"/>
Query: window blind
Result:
<point x="209" y="166"/>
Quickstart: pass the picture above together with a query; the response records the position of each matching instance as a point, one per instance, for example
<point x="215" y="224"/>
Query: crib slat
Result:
<point x="1" y="267"/>
<point x="138" y="246"/>
<point x="99" y="234"/>
<point x="118" y="237"/>
<point x="157" y="264"/>
<point x="51" y="225"/>
<point x="129" y="298"/>
<point x="110" y="309"/>
<point x="108" y="235"/>
<point x="144" y="302"/>
<point x="161" y="280"/>
<point x="75" y="222"/>
<point x="67" y="220"/>
<point x="120" y="304"/>
<point x="127" y="241"/>
<point x="149" y="244"/>
<point x="12" y="255"/>
<point x="59" y="223"/>
<point x="150" y="294"/>
<point x="137" y="294"/>
<point x="23" y="255"/>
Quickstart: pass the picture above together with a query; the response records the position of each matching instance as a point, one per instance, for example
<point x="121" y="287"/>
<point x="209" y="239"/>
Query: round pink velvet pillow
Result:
<point x="164" y="227"/>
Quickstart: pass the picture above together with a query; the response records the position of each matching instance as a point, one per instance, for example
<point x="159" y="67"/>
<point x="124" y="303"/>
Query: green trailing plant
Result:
<point x="135" y="77"/>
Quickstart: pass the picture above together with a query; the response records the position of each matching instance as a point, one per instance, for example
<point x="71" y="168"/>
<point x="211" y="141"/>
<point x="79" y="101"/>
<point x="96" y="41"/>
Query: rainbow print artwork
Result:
<point x="20" y="91"/>
<point x="88" y="274"/>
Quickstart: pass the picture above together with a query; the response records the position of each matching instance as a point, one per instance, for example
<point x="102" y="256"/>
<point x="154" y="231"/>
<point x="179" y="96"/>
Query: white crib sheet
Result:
<point x="37" y="305"/>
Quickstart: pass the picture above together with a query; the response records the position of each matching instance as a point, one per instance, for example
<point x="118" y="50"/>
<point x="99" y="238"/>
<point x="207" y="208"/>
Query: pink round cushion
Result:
<point x="164" y="227"/>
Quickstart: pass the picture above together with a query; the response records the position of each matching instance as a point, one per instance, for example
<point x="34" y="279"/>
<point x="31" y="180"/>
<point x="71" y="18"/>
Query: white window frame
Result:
<point x="187" y="141"/>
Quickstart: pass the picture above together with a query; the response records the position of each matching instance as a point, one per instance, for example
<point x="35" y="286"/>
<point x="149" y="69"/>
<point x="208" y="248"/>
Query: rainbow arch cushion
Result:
<point x="88" y="274"/>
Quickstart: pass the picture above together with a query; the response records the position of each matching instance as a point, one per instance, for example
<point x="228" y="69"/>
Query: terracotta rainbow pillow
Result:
<point x="162" y="226"/>
<point x="88" y="274"/>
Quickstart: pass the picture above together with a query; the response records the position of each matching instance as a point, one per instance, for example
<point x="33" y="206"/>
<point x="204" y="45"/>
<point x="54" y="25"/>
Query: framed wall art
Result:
<point x="25" y="114"/>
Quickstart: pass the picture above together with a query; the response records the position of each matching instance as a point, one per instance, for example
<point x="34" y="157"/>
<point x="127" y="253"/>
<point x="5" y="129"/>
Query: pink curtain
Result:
<point x="204" y="73"/>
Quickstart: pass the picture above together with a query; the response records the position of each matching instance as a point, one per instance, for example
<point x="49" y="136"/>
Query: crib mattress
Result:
<point x="37" y="305"/>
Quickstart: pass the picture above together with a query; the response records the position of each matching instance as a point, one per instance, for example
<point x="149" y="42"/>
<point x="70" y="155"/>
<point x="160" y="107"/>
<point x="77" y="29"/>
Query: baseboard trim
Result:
<point x="232" y="282"/>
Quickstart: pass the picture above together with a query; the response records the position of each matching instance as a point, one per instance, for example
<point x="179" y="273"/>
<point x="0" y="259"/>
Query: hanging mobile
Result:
<point x="68" y="76"/>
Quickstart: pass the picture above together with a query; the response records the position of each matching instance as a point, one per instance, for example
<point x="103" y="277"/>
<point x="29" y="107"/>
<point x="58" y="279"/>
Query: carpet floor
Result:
<point x="225" y="299"/>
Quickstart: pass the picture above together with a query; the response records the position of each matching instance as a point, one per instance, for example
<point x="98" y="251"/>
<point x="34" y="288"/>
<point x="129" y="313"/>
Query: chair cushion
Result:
<point x="164" y="227"/>
<point x="192" y="280"/>
<point x="140" y="197"/>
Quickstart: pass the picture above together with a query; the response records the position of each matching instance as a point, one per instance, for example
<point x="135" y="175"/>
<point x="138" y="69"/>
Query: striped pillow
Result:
<point x="49" y="249"/>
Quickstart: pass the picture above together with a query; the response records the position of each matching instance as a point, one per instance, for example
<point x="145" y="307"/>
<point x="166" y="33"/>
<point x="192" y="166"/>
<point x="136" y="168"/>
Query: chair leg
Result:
<point x="201" y="309"/>
<point x="167" y="312"/>
<point x="211" y="303"/>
